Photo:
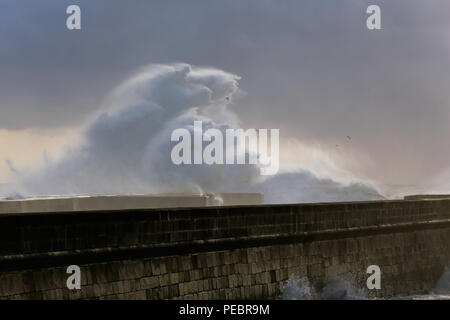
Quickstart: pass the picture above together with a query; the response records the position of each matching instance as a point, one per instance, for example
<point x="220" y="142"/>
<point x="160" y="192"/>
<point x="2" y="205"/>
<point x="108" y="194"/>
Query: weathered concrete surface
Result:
<point x="92" y="203"/>
<point x="239" y="199"/>
<point x="427" y="197"/>
<point x="116" y="202"/>
<point x="240" y="252"/>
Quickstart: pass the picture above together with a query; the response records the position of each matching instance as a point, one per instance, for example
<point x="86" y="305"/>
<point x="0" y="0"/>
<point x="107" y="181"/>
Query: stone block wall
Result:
<point x="245" y="252"/>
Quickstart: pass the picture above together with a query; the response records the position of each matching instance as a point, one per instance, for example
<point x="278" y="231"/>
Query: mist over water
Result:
<point x="125" y="146"/>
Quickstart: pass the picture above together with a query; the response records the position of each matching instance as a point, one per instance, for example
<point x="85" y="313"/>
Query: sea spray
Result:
<point x="125" y="147"/>
<point x="443" y="285"/>
<point x="297" y="288"/>
<point x="337" y="288"/>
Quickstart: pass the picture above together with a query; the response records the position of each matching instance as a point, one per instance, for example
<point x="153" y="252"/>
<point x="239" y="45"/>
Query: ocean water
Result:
<point x="337" y="288"/>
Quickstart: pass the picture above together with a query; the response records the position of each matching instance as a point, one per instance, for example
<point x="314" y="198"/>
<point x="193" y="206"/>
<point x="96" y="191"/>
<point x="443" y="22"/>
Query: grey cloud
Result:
<point x="310" y="67"/>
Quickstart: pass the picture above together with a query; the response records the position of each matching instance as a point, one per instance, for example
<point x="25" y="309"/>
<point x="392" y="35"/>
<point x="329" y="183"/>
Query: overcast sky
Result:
<point x="308" y="67"/>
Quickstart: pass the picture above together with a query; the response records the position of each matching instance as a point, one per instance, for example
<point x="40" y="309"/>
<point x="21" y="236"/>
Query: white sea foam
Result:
<point x="125" y="147"/>
<point x="338" y="288"/>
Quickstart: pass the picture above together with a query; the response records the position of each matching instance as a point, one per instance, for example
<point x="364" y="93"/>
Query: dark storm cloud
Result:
<point x="309" y="67"/>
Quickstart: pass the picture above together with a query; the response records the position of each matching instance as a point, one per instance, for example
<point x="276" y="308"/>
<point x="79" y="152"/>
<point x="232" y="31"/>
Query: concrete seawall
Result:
<point x="239" y="252"/>
<point x="122" y="202"/>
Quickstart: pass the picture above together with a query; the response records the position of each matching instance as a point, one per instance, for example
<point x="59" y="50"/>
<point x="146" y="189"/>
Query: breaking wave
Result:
<point x="125" y="146"/>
